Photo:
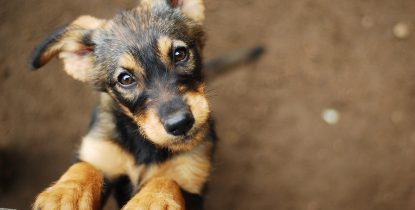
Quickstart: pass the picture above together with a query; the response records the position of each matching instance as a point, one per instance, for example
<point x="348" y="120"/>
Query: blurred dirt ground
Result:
<point x="276" y="152"/>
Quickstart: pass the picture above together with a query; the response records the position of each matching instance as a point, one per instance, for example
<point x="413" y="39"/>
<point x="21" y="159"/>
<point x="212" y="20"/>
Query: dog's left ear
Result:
<point x="193" y="9"/>
<point x="74" y="46"/>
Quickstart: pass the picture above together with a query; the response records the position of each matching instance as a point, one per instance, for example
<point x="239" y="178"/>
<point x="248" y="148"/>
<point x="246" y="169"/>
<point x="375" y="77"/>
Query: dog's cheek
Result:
<point x="151" y="127"/>
<point x="199" y="106"/>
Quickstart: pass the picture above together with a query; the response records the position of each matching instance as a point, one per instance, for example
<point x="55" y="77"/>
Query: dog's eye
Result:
<point x="126" y="79"/>
<point x="180" y="54"/>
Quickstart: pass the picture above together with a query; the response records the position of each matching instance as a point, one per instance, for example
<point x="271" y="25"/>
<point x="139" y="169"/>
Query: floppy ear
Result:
<point x="193" y="9"/>
<point x="73" y="45"/>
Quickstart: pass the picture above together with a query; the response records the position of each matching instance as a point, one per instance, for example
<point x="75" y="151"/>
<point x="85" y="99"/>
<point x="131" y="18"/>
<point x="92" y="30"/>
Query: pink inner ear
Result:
<point x="176" y="3"/>
<point x="84" y="51"/>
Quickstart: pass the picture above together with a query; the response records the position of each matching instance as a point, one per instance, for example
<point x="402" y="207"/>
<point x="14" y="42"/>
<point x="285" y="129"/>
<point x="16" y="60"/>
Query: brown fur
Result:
<point x="127" y="61"/>
<point x="164" y="44"/>
<point x="159" y="193"/>
<point x="189" y="170"/>
<point x="79" y="188"/>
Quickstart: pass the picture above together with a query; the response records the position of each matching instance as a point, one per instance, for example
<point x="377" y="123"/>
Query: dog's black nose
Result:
<point x="179" y="123"/>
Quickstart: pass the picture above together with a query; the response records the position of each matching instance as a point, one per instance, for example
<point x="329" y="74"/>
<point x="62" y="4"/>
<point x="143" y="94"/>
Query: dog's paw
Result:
<point x="79" y="188"/>
<point x="158" y="194"/>
<point x="153" y="201"/>
<point x="65" y="196"/>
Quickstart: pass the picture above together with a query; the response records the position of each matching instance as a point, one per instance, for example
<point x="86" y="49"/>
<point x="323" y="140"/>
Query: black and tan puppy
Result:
<point x="151" y="140"/>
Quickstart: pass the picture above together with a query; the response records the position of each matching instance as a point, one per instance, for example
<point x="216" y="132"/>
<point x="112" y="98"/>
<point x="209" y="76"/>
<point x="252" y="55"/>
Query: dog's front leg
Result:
<point x="78" y="189"/>
<point x="158" y="193"/>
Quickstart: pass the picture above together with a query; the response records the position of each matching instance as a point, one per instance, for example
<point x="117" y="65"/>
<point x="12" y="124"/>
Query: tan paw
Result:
<point x="79" y="188"/>
<point x="153" y="201"/>
<point x="157" y="194"/>
<point x="65" y="196"/>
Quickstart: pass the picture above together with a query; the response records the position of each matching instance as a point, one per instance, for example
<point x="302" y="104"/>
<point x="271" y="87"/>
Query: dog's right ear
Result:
<point x="193" y="9"/>
<point x="74" y="46"/>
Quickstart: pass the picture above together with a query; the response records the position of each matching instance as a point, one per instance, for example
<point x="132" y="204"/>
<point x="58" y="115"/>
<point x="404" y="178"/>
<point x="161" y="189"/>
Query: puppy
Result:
<point x="152" y="136"/>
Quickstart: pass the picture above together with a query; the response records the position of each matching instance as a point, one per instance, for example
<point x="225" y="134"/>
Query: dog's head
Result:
<point x="148" y="60"/>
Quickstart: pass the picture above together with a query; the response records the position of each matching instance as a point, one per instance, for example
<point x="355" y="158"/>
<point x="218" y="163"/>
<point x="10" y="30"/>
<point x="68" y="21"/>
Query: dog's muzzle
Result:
<point x="176" y="117"/>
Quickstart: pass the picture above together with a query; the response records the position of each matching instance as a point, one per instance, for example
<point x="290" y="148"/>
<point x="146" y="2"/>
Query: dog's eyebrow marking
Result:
<point x="127" y="61"/>
<point x="164" y="45"/>
<point x="179" y="43"/>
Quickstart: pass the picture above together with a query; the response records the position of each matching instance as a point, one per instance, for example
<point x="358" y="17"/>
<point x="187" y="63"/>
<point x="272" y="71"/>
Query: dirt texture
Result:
<point x="276" y="151"/>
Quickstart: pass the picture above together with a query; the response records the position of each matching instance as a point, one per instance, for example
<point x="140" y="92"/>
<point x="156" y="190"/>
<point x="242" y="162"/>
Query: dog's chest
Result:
<point x="190" y="170"/>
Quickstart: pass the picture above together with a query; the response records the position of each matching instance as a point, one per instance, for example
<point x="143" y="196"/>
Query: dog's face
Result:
<point x="148" y="60"/>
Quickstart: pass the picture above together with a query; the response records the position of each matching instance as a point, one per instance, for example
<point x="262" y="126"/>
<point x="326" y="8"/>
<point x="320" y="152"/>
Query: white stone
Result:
<point x="330" y="116"/>
<point x="401" y="30"/>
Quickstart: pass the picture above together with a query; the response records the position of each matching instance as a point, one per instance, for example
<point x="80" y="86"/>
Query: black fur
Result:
<point x="106" y="192"/>
<point x="123" y="190"/>
<point x="192" y="201"/>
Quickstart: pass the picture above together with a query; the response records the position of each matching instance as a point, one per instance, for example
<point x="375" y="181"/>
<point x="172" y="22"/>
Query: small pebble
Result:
<point x="330" y="116"/>
<point x="401" y="30"/>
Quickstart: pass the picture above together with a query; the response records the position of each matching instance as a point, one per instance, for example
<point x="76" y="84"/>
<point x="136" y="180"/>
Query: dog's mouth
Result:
<point x="189" y="136"/>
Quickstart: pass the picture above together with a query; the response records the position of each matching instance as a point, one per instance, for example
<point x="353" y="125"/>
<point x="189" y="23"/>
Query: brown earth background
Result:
<point x="276" y="152"/>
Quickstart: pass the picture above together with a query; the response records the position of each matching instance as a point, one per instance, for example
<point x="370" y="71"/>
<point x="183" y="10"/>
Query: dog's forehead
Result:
<point x="140" y="28"/>
<point x="145" y="23"/>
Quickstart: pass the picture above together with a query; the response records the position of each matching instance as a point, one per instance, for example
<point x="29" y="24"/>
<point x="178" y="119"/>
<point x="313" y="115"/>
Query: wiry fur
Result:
<point x="128" y="146"/>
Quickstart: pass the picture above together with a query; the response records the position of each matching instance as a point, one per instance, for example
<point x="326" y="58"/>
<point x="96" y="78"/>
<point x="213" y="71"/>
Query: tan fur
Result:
<point x="190" y="170"/>
<point x="179" y="43"/>
<point x="193" y="9"/>
<point x="152" y="128"/>
<point x="146" y="4"/>
<point x="88" y="22"/>
<point x="158" y="194"/>
<point x="164" y="44"/>
<point x="50" y="52"/>
<point x="79" y="188"/>
<point x="79" y="67"/>
<point x="127" y="61"/>
<point x="108" y="157"/>
<point x="199" y="107"/>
